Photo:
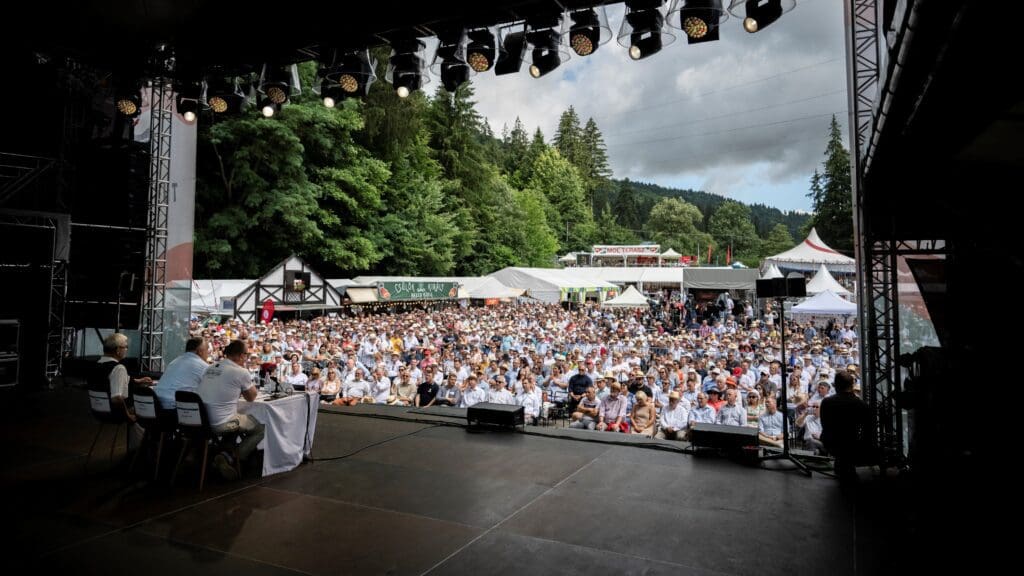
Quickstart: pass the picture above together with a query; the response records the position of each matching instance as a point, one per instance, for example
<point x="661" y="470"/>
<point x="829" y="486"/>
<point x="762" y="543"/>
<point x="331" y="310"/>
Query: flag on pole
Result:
<point x="709" y="253"/>
<point x="728" y="255"/>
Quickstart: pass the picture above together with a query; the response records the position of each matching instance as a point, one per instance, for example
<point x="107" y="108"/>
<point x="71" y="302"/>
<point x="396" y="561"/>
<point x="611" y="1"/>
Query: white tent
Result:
<point x="823" y="281"/>
<point x="213" y="296"/>
<point x="551" y="284"/>
<point x="772" y="272"/>
<point x="810" y="254"/>
<point x="826" y="303"/>
<point x="631" y="298"/>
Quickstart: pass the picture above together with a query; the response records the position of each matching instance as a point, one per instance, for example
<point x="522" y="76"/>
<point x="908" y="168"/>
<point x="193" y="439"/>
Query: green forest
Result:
<point x="424" y="186"/>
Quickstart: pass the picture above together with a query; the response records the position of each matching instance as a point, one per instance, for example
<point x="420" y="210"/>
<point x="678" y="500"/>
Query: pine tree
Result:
<point x="517" y="144"/>
<point x="597" y="153"/>
<point x="627" y="207"/>
<point x="831" y="194"/>
<point x="568" y="139"/>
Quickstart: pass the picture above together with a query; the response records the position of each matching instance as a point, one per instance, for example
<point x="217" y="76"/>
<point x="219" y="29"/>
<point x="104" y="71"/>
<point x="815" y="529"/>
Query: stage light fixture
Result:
<point x="544" y="35"/>
<point x="450" y="60"/>
<point x="222" y="94"/>
<point x="268" y="108"/>
<point x="512" y="52"/>
<point x="186" y="99"/>
<point x="407" y="67"/>
<point x="759" y="14"/>
<point x="700" y="20"/>
<point x="279" y="82"/>
<point x="643" y="29"/>
<point x="481" y="51"/>
<point x="129" y="105"/>
<point x="348" y="74"/>
<point x="589" y="29"/>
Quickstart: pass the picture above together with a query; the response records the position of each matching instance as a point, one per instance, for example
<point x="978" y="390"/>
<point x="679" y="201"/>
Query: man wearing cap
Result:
<point x="578" y="385"/>
<point x="672" y="423"/>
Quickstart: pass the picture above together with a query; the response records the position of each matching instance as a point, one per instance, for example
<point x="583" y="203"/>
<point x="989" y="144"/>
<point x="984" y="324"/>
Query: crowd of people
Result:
<point x="624" y="370"/>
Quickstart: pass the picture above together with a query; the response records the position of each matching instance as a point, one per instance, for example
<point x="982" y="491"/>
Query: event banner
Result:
<point x="641" y="250"/>
<point x="391" y="291"/>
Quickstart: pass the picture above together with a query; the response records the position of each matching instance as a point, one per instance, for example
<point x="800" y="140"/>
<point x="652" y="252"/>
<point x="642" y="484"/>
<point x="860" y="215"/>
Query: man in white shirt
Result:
<point x="184" y="373"/>
<point x="220" y="387"/>
<point x="673" y="419"/>
<point x="296" y="378"/>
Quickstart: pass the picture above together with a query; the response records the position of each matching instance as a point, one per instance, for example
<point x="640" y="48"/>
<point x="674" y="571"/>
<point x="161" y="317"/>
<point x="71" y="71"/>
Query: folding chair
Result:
<point x="107" y="413"/>
<point x="194" y="426"/>
<point x="153" y="420"/>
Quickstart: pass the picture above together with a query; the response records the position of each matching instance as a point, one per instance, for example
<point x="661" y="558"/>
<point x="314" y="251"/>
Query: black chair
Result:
<point x="194" y="426"/>
<point x="154" y="421"/>
<point x="107" y="412"/>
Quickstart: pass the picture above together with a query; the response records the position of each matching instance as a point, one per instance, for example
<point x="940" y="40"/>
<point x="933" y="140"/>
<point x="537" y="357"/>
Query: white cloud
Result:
<point x="748" y="110"/>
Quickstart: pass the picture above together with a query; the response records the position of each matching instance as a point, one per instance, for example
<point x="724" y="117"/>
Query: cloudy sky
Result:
<point x="745" y="117"/>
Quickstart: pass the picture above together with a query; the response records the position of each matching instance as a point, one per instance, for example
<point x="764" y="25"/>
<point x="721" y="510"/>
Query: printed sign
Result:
<point x="392" y="291"/>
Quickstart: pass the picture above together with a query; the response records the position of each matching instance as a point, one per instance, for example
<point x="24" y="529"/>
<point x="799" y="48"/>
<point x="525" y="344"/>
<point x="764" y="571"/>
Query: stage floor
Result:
<point x="386" y="496"/>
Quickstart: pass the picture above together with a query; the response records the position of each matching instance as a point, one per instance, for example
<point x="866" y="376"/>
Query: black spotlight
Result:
<point x="222" y="95"/>
<point x="129" y="105"/>
<point x="450" y="59"/>
<point x="544" y="56"/>
<point x="406" y="66"/>
<point x="586" y="30"/>
<point x="480" y="52"/>
<point x="279" y="82"/>
<point x="759" y="14"/>
<point x="700" y="20"/>
<point x="510" y="58"/>
<point x="454" y="74"/>
<point x="187" y="95"/>
<point x="330" y="93"/>
<point x="354" y="73"/>
<point x="642" y="30"/>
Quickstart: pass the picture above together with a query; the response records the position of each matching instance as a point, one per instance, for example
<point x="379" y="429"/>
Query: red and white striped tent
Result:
<point x="811" y="254"/>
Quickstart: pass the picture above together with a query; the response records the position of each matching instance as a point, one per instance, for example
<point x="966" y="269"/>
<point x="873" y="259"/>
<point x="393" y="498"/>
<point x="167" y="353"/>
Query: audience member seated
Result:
<point x="643" y="415"/>
<point x="769" y="425"/>
<point x="331" y="387"/>
<point x="731" y="414"/>
<point x="673" y="419"/>
<point x="810" y="422"/>
<point x="585" y="416"/>
<point x="611" y="415"/>
<point x="404" y="390"/>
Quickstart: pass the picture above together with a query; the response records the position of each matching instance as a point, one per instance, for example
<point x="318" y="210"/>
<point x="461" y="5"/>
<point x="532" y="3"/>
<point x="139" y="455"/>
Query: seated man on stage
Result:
<point x="220" y="388"/>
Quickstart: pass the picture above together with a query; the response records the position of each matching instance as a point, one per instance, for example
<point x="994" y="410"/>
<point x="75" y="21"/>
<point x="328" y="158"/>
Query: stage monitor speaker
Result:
<point x="722" y="437"/>
<point x="488" y="414"/>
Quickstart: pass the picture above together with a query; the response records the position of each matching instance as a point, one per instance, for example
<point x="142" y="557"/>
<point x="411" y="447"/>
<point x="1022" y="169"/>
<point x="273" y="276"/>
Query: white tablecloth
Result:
<point x="290" y="425"/>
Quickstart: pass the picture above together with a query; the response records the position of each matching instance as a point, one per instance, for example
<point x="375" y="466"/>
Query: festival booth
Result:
<point x="631" y="298"/>
<point x="555" y="285"/>
<point x="810" y="254"/>
<point x="823" y="281"/>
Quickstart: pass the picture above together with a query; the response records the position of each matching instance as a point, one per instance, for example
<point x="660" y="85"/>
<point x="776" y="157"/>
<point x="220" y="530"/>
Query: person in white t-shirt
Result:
<point x="220" y="388"/>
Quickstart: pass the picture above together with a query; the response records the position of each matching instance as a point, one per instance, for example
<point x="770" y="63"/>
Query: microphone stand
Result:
<point x="785" y="454"/>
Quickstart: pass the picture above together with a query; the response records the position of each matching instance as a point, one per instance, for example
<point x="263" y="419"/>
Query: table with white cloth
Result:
<point x="290" y="425"/>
